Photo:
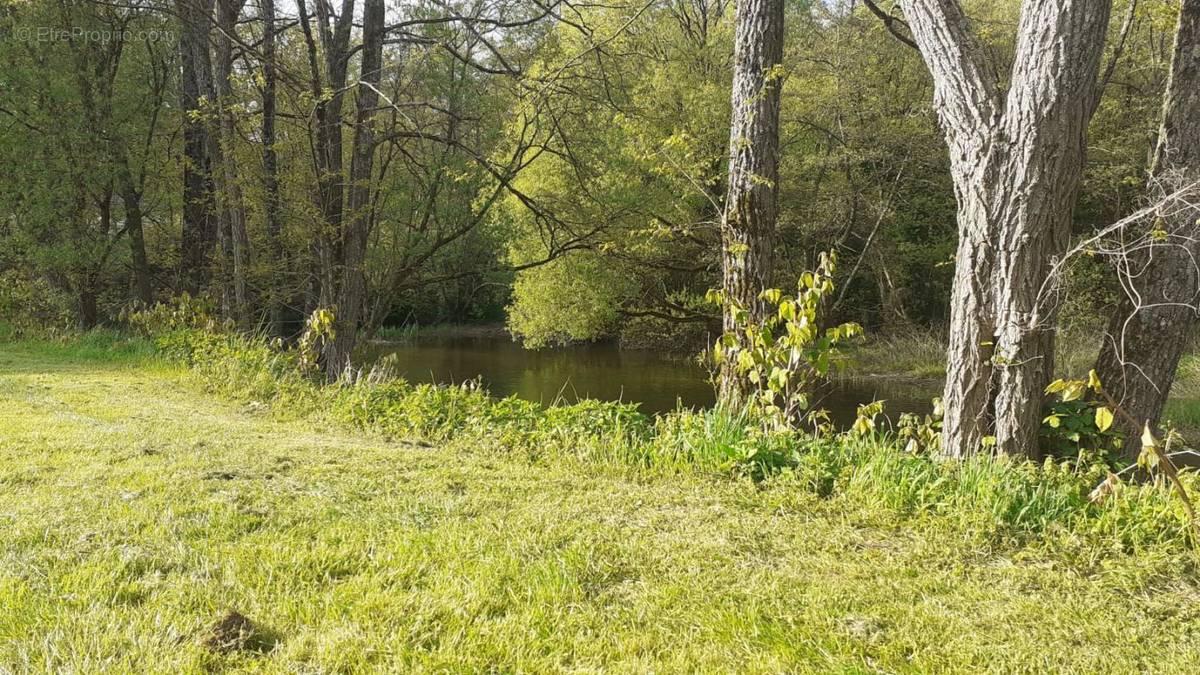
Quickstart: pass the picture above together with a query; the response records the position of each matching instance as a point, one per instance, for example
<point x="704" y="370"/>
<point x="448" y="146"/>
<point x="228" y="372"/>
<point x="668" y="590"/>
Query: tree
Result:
<point x="748" y="222"/>
<point x="1016" y="158"/>
<point x="270" y="160"/>
<point x="199" y="227"/>
<point x="352" y="288"/>
<point x="231" y="213"/>
<point x="84" y="151"/>
<point x="1158" y="313"/>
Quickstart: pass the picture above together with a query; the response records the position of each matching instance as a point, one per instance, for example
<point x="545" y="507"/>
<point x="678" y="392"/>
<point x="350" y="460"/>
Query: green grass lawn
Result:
<point x="135" y="512"/>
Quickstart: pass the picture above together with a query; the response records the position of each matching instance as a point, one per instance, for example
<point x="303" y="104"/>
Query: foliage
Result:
<point x="921" y="434"/>
<point x="611" y="160"/>
<point x="29" y="304"/>
<point x="182" y="312"/>
<point x="997" y="498"/>
<point x="571" y="299"/>
<point x="787" y="353"/>
<point x="318" y="330"/>
<point x="1077" y="426"/>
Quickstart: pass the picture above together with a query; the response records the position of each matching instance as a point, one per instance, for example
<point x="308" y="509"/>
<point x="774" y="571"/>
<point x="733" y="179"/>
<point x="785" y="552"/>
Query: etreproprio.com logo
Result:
<point x="81" y="34"/>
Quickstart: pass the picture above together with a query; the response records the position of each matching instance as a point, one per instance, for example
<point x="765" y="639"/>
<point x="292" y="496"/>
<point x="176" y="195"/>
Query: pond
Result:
<point x="657" y="383"/>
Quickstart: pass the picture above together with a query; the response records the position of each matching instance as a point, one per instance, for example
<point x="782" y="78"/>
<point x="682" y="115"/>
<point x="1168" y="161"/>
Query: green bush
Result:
<point x="30" y="305"/>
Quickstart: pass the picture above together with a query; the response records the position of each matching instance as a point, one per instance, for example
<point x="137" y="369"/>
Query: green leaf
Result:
<point x="1104" y="417"/>
<point x="822" y="365"/>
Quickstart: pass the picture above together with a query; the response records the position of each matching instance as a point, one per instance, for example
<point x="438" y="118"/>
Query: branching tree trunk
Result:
<point x="1059" y="49"/>
<point x="1149" y="333"/>
<point x="748" y="223"/>
<point x="131" y="200"/>
<point x="1016" y="160"/>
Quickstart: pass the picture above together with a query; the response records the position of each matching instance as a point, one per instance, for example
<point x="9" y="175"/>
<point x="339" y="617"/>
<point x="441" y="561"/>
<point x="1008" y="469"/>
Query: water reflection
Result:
<point x="602" y="371"/>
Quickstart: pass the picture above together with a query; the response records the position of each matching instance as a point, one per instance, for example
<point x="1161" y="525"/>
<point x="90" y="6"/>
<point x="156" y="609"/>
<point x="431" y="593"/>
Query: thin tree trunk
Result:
<point x="89" y="315"/>
<point x="748" y="222"/>
<point x="131" y="199"/>
<point x="352" y="290"/>
<point x="331" y="183"/>
<point x="198" y="234"/>
<point x="1149" y="333"/>
<point x="271" y="171"/>
<point x="231" y="214"/>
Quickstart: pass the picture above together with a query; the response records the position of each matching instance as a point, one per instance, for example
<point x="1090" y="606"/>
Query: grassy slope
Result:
<point x="134" y="511"/>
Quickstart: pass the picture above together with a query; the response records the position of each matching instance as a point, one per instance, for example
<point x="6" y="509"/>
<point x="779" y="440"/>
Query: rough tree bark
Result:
<point x="1059" y="48"/>
<point x="1016" y="160"/>
<point x="231" y="214"/>
<point x="748" y="222"/>
<point x="1149" y="333"/>
<point x="334" y="37"/>
<point x="199" y="231"/>
<point x="352" y="287"/>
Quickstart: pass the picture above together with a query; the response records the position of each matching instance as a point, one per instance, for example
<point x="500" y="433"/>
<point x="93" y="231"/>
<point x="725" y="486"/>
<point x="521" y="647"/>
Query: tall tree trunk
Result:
<point x="748" y="223"/>
<point x="271" y="172"/>
<point x="198" y="234"/>
<point x="1059" y="48"/>
<point x="1016" y="162"/>
<point x="335" y="41"/>
<point x="1149" y="333"/>
<point x="352" y="289"/>
<point x="131" y="199"/>
<point x="232" y="216"/>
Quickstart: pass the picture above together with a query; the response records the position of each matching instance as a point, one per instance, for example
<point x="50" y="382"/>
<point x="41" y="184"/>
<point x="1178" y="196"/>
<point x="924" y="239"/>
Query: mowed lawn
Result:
<point x="136" y="512"/>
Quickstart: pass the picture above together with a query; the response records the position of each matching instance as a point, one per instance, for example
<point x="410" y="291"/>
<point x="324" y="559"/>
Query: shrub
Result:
<point x="785" y="354"/>
<point x="30" y="305"/>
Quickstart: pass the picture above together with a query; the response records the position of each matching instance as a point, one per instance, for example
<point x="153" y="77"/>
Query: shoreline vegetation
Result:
<point x="918" y="357"/>
<point x="698" y="522"/>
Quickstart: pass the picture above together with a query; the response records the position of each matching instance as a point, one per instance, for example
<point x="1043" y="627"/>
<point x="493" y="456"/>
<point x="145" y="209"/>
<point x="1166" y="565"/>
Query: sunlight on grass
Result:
<point x="136" y="512"/>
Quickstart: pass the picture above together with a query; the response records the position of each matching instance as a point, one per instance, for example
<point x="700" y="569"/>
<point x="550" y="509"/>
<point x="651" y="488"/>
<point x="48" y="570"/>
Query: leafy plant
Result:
<point x="864" y="420"/>
<point x="1077" y="426"/>
<point x="921" y="434"/>
<point x="29" y="304"/>
<point x="785" y="355"/>
<point x="183" y="311"/>
<point x="318" y="330"/>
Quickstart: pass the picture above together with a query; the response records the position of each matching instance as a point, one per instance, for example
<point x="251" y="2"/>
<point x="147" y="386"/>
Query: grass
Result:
<point x="136" y="511"/>
<point x="411" y="332"/>
<point x="918" y="355"/>
<point x="921" y="354"/>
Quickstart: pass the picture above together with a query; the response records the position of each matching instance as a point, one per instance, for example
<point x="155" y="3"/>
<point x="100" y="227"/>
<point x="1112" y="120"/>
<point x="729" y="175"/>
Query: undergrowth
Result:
<point x="998" y="501"/>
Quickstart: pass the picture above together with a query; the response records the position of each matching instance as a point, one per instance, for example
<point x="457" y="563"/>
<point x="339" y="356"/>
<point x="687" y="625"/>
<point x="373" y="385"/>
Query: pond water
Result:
<point x="657" y="383"/>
